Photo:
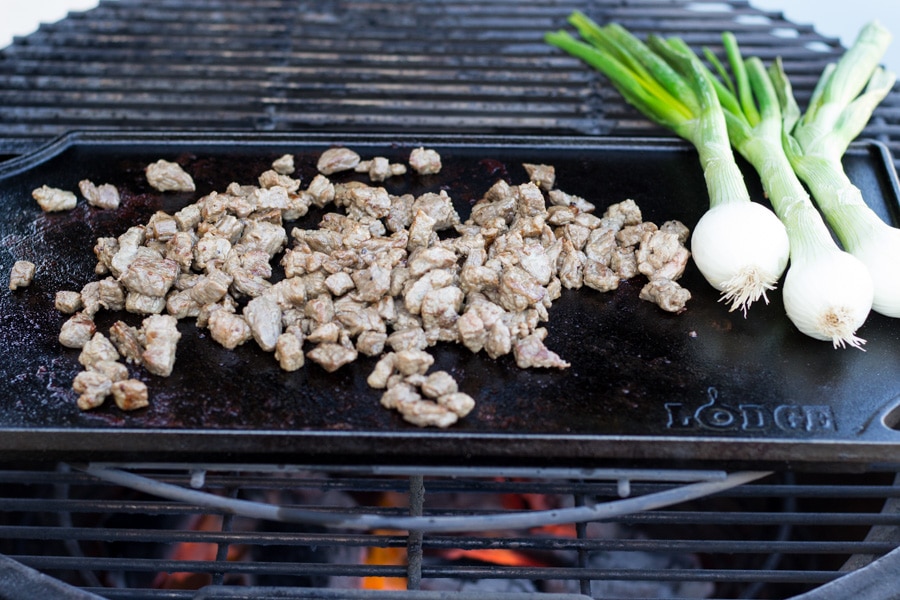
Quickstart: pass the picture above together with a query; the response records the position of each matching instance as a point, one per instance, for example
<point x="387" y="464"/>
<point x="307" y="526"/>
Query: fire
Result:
<point x="196" y="551"/>
<point x="386" y="556"/>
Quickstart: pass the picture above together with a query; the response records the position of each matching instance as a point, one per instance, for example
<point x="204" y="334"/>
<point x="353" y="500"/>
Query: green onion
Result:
<point x="738" y="245"/>
<point x="842" y="103"/>
<point x="827" y="292"/>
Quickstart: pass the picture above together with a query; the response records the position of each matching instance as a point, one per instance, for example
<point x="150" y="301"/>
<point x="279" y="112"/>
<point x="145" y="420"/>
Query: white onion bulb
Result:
<point x="828" y="296"/>
<point x="742" y="249"/>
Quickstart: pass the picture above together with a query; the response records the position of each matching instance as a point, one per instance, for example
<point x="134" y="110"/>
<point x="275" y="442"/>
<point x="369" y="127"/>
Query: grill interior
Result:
<point x="774" y="538"/>
<point x="389" y="66"/>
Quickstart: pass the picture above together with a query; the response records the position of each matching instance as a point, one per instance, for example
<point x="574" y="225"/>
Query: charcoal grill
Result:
<point x="81" y="529"/>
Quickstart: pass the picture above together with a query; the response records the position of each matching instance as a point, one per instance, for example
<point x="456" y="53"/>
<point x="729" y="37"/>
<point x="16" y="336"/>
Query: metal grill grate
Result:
<point x="773" y="538"/>
<point x="375" y="66"/>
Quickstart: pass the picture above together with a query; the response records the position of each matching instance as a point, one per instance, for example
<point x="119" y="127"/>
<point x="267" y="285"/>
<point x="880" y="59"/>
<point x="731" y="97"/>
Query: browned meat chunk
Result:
<point x="335" y="160"/>
<point x="130" y="394"/>
<point x="54" y="199"/>
<point x="167" y="176"/>
<point x="77" y="331"/>
<point x="666" y="294"/>
<point x="161" y="335"/>
<point x="425" y="161"/>
<point x="102" y="196"/>
<point x="331" y="356"/>
<point x="21" y="274"/>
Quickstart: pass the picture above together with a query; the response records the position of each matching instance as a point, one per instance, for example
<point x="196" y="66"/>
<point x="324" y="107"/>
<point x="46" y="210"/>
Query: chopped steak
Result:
<point x="102" y="196"/>
<point x="21" y="274"/>
<point x="54" y="199"/>
<point x="167" y="176"/>
<point x="381" y="275"/>
<point x="425" y="161"/>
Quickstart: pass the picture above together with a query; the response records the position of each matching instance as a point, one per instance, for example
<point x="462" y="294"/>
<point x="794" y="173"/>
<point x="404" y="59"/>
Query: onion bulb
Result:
<point x="742" y="249"/>
<point x="828" y="296"/>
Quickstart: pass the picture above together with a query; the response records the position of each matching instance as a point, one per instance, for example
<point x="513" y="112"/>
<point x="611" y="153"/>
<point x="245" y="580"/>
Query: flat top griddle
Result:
<point x="704" y="385"/>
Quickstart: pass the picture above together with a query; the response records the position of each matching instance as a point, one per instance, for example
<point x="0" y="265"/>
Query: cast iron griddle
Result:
<point x="704" y="385"/>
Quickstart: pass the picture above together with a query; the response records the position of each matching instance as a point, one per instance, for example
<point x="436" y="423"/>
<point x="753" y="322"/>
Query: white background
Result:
<point x="834" y="18"/>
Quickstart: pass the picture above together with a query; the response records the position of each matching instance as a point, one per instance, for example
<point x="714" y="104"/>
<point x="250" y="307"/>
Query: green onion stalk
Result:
<point x="840" y="107"/>
<point x="739" y="246"/>
<point x="827" y="292"/>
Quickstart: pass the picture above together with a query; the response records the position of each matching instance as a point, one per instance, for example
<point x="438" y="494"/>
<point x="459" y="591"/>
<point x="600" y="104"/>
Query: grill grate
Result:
<point x="376" y="66"/>
<point x="774" y="538"/>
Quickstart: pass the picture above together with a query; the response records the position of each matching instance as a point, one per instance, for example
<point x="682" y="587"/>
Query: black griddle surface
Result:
<point x="706" y="384"/>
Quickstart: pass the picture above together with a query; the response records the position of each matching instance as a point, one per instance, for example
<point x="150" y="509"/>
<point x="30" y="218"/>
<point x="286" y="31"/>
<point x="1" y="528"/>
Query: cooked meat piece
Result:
<point x="77" y="331"/>
<point x="161" y="226"/>
<point x="267" y="198"/>
<point x="114" y="370"/>
<point x="421" y="231"/>
<point x="544" y="176"/>
<point x="180" y="248"/>
<point x="289" y="350"/>
<point x="21" y="274"/>
<point x="621" y="214"/>
<point x="371" y="283"/>
<point x="104" y="249"/>
<point x="92" y="387"/>
<point x="519" y="289"/>
<point x="339" y="283"/>
<point x="272" y="178"/>
<point x="97" y="349"/>
<point x="284" y="164"/>
<point x="439" y="207"/>
<point x="378" y="168"/>
<point x="210" y="252"/>
<point x="499" y="340"/>
<point x="409" y="362"/>
<point x="423" y="260"/>
<point x="458" y="403"/>
<point x="263" y="315"/>
<point x="188" y="217"/>
<point x="422" y="413"/>
<point x="677" y="228"/>
<point x="211" y="287"/>
<point x="150" y="277"/>
<point x="530" y="351"/>
<point x="384" y="369"/>
<point x="329" y="332"/>
<point x="106" y="293"/>
<point x="600" y="277"/>
<point x="320" y="191"/>
<point x="161" y="335"/>
<point x="415" y="290"/>
<point x="127" y="340"/>
<point x="624" y="263"/>
<point x="335" y="160"/>
<point x="229" y="329"/>
<point x="561" y="198"/>
<point x="103" y="196"/>
<point x="440" y="311"/>
<point x="167" y="176"/>
<point x="331" y="356"/>
<point x="144" y="305"/>
<point x="575" y="233"/>
<point x="320" y="308"/>
<point x="181" y="306"/>
<point x="666" y="294"/>
<point x="601" y="245"/>
<point x="128" y="246"/>
<point x="357" y="321"/>
<point x="371" y="343"/>
<point x="425" y="161"/>
<point x="631" y="235"/>
<point x="560" y="215"/>
<point x="54" y="199"/>
<point x="439" y="383"/>
<point x="68" y="302"/>
<point x="530" y="201"/>
<point x="412" y="338"/>
<point x="534" y="258"/>
<point x="130" y="394"/>
<point x="268" y="237"/>
<point x="662" y="255"/>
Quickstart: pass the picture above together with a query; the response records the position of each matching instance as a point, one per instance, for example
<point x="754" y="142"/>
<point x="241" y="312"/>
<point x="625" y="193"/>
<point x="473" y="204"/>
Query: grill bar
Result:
<point x="89" y="523"/>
